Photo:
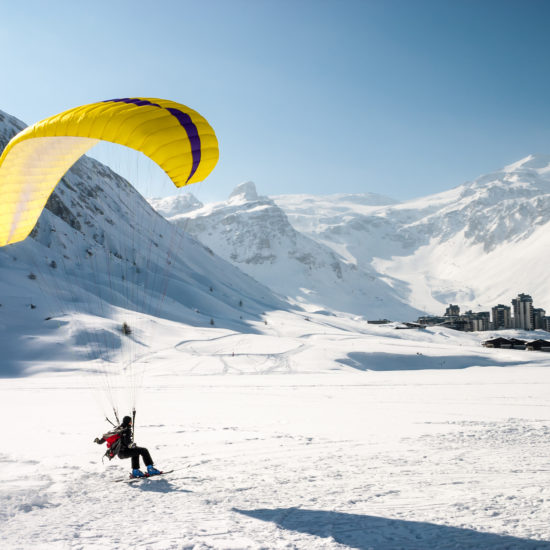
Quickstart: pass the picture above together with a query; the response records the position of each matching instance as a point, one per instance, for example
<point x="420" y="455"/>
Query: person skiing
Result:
<point x="120" y="442"/>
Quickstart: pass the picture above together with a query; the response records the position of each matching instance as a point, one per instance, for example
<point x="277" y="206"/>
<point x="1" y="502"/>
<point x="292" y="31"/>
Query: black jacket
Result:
<point x="126" y="439"/>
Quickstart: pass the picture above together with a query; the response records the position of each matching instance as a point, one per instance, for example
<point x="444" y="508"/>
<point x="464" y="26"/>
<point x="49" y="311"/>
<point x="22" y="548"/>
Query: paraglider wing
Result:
<point x="174" y="136"/>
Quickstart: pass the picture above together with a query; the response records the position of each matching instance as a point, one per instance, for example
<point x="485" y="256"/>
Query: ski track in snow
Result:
<point x="283" y="462"/>
<point x="263" y="362"/>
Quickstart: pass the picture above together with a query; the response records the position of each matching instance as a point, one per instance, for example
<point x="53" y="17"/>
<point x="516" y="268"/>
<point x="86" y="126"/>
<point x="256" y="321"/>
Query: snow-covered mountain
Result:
<point x="477" y="245"/>
<point x="100" y="256"/>
<point x="255" y="234"/>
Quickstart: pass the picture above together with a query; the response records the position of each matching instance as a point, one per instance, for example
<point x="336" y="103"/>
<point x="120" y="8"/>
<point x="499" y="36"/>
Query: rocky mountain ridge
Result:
<point x="255" y="234"/>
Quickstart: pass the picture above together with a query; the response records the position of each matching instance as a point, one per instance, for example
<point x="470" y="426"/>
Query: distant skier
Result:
<point x="120" y="443"/>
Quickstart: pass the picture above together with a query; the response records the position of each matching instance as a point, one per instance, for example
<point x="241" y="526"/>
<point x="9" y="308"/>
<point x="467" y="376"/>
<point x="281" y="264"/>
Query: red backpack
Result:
<point x="113" y="444"/>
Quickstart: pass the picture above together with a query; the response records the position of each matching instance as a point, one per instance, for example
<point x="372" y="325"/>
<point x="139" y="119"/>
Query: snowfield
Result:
<point x="335" y="434"/>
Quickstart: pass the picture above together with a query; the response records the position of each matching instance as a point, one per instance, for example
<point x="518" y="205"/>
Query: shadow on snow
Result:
<point x="380" y="361"/>
<point x="158" y="486"/>
<point x="377" y="533"/>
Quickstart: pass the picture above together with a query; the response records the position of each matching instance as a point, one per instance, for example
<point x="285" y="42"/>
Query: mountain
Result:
<point x="477" y="245"/>
<point x="255" y="234"/>
<point x="99" y="257"/>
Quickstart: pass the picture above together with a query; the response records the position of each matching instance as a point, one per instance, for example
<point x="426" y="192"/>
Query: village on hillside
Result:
<point x="522" y="315"/>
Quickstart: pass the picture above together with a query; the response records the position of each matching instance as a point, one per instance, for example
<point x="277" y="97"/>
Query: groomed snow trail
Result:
<point x="415" y="460"/>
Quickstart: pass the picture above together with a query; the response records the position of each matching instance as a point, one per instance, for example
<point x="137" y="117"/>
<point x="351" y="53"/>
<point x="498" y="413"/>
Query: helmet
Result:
<point x="126" y="421"/>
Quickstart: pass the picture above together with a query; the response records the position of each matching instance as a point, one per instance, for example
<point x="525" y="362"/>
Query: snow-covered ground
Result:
<point x="315" y="432"/>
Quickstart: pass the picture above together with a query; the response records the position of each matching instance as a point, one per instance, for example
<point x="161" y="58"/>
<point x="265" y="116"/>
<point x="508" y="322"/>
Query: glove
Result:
<point x="97" y="440"/>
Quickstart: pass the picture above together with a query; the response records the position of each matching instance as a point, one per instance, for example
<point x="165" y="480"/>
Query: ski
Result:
<point x="146" y="476"/>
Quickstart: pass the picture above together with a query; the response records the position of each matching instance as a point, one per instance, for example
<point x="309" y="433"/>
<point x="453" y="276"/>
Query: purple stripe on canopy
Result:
<point x="135" y="101"/>
<point x="193" y="134"/>
<point x="185" y="121"/>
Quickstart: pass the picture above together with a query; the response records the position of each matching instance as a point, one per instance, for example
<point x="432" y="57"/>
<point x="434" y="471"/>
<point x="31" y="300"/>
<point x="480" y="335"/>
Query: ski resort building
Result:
<point x="525" y="317"/>
<point x="539" y="316"/>
<point x="452" y="311"/>
<point x="502" y="317"/>
<point x="498" y="343"/>
<point x="523" y="312"/>
<point x="538" y="345"/>
<point x="467" y="322"/>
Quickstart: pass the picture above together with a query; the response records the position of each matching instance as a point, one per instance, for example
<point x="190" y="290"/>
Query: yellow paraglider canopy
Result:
<point x="176" y="137"/>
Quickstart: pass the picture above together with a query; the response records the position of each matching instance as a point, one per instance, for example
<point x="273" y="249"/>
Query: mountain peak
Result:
<point x="176" y="204"/>
<point x="245" y="190"/>
<point x="538" y="163"/>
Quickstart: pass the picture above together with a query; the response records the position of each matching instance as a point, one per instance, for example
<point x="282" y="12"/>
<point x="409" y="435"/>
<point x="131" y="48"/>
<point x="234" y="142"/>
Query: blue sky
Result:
<point x="399" y="97"/>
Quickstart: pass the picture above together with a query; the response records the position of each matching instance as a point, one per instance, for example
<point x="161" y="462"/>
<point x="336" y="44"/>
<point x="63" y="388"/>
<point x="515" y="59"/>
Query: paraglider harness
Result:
<point x="114" y="441"/>
<point x="113" y="438"/>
